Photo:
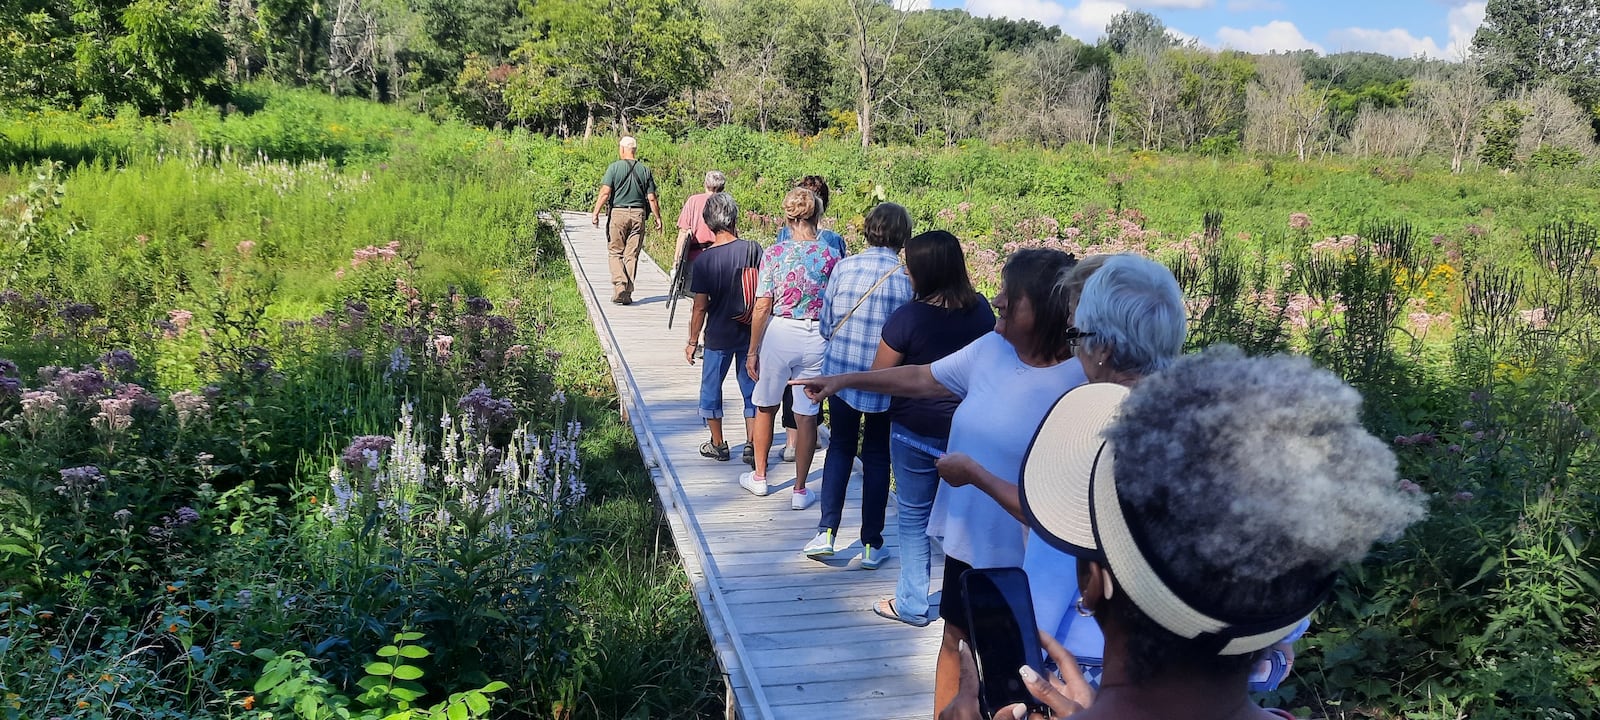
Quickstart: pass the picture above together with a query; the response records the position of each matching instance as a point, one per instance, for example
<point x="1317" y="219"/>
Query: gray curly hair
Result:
<point x="1261" y="474"/>
<point x="1134" y="307"/>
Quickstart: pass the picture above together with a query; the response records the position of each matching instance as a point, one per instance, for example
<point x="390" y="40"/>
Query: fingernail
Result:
<point x="1020" y="712"/>
<point x="1028" y="674"/>
<point x="962" y="646"/>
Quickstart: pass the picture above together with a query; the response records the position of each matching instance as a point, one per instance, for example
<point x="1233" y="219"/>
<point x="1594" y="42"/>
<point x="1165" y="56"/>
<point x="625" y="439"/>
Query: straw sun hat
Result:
<point x="1069" y="494"/>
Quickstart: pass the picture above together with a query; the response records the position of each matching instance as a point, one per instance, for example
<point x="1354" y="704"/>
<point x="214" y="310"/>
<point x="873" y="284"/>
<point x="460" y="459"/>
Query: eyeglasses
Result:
<point x="1076" y="336"/>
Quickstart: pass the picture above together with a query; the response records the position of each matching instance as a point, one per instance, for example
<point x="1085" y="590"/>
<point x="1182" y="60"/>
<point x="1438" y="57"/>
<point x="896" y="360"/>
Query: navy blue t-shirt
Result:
<point x="716" y="273"/>
<point x="924" y="333"/>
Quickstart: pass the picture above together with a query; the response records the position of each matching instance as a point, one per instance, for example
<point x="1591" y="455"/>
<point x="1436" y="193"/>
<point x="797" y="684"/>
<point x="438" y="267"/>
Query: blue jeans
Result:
<point x="713" y="370"/>
<point x="916" y="481"/>
<point x="850" y="426"/>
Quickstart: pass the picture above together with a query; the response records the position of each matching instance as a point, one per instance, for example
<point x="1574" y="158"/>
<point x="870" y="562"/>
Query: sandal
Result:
<point x="715" y="452"/>
<point x="885" y="609"/>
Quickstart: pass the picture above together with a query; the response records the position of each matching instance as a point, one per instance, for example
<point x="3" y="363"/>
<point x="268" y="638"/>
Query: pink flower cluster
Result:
<point x="1423" y="321"/>
<point x="1340" y="245"/>
<point x="40" y="407"/>
<point x="115" y="416"/>
<point x="190" y="406"/>
<point x="387" y="253"/>
<point x="1299" y="221"/>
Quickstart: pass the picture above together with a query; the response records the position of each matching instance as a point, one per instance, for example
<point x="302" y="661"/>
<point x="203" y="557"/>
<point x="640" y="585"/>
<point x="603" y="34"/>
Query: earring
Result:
<point x="1082" y="611"/>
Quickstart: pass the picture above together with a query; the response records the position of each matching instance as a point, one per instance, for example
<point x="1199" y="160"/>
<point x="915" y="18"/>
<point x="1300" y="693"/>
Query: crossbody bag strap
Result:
<point x="864" y="297"/>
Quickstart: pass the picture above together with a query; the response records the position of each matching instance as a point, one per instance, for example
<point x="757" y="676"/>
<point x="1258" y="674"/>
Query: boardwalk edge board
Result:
<point x="746" y="698"/>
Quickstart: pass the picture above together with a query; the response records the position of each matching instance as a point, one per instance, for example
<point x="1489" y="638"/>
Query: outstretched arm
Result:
<point x="913" y="381"/>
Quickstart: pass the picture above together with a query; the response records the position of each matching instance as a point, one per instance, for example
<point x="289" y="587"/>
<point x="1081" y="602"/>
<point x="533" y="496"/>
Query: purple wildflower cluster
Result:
<point x="10" y="383"/>
<point x="76" y="384"/>
<point x="76" y="314"/>
<point x="181" y="518"/>
<point x="487" y="411"/>
<point x="119" y="363"/>
<point x="366" y="451"/>
<point x="79" y="479"/>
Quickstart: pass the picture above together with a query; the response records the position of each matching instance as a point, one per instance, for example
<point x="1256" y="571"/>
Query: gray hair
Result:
<point x="716" y="181"/>
<point x="721" y="213"/>
<point x="1134" y="307"/>
<point x="628" y="141"/>
<point x="1260" y="476"/>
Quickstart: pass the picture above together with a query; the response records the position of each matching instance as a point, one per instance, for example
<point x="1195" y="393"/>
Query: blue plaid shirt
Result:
<point x="853" y="346"/>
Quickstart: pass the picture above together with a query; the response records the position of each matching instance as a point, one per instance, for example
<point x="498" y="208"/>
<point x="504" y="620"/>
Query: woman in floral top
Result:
<point x="785" y="339"/>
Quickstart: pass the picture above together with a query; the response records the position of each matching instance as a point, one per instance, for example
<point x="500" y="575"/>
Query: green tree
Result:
<point x="1145" y="88"/>
<point x="157" y="54"/>
<point x="623" y="56"/>
<point x="36" y="53"/>
<point x="1524" y="43"/>
<point x="1136" y="30"/>
<point x="775" y="65"/>
<point x="1211" y="101"/>
<point x="1502" y="124"/>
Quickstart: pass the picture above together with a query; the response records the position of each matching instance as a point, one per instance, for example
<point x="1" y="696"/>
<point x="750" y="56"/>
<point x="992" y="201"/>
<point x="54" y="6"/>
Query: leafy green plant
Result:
<point x="391" y="688"/>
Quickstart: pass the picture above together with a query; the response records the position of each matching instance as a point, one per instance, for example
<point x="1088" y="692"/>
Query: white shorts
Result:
<point x="791" y="350"/>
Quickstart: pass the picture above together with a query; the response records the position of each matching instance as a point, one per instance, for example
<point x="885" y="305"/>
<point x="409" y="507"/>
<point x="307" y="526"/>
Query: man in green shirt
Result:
<point x="628" y="190"/>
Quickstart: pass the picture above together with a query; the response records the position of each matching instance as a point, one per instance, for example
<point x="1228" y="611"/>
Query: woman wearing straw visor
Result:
<point x="1209" y="508"/>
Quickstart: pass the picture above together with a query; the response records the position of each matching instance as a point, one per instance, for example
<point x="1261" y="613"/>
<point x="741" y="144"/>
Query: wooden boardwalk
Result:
<point x="796" y="638"/>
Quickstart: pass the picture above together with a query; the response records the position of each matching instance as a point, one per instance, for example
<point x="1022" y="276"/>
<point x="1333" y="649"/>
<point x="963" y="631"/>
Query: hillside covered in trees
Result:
<point x="861" y="68"/>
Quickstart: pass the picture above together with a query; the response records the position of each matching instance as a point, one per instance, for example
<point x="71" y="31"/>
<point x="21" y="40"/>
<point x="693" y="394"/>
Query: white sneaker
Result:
<point x="803" y="499"/>
<point x="820" y="546"/>
<point x="872" y="557"/>
<point x="756" y="486"/>
<point x="788" y="453"/>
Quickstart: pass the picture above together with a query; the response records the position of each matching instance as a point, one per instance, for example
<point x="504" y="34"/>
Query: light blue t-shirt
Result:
<point x="1003" y="402"/>
<point x="1053" y="579"/>
<point x="826" y="237"/>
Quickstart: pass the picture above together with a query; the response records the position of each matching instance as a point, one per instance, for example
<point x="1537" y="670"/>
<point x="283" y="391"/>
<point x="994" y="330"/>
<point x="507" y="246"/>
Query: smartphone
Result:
<point x="1004" y="635"/>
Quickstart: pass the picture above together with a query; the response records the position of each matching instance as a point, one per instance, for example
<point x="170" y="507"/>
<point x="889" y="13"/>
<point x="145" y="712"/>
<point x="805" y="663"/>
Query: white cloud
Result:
<point x="1279" y="35"/>
<point x="1171" y="4"/>
<point x="1085" y="19"/>
<point x="1463" y="22"/>
<point x="1395" y="42"/>
<point x="1183" y="37"/>
<point x="1239" y="6"/>
<point x="913" y="5"/>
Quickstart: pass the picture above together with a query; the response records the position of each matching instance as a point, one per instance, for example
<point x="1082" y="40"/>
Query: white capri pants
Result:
<point x="791" y="350"/>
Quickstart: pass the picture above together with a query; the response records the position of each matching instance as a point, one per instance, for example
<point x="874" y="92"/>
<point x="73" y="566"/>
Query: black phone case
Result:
<point x="1006" y="590"/>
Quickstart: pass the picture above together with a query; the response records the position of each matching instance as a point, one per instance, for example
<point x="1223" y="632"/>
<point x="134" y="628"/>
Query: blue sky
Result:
<point x="1402" y="28"/>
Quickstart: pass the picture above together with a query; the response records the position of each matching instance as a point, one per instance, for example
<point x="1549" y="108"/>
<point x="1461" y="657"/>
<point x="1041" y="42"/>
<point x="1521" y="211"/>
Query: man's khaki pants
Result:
<point x="625" y="238"/>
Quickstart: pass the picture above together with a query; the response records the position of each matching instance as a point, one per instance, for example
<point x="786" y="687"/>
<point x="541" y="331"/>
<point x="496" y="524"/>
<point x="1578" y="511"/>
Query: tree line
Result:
<point x="1528" y="93"/>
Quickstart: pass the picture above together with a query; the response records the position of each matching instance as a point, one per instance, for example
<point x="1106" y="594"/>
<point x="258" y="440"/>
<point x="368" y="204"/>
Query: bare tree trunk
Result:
<point x="864" y="106"/>
<point x="588" y="123"/>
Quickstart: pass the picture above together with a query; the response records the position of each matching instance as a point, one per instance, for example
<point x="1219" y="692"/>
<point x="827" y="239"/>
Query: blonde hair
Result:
<point x="802" y="205"/>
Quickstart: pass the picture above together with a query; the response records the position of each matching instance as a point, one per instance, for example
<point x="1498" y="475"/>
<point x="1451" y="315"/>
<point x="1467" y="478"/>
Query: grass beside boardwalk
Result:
<point x="651" y="655"/>
<point x="303" y="403"/>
